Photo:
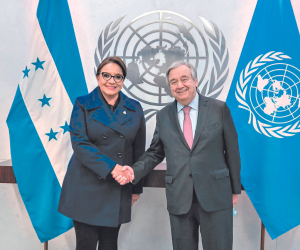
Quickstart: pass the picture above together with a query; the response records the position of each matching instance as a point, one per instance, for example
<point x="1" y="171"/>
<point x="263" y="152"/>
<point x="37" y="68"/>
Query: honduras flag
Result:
<point x="38" y="121"/>
<point x="265" y="103"/>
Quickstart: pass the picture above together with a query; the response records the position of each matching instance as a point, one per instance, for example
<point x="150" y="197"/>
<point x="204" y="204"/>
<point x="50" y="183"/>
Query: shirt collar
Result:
<point x="193" y="104"/>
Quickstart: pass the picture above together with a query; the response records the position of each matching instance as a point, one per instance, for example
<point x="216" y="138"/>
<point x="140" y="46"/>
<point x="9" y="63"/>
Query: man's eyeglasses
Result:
<point x="107" y="77"/>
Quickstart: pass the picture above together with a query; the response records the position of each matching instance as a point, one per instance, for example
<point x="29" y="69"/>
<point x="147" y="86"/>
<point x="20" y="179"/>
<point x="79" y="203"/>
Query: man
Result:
<point x="197" y="136"/>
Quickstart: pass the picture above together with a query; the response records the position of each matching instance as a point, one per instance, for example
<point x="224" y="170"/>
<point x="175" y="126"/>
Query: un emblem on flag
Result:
<point x="268" y="89"/>
<point x="151" y="42"/>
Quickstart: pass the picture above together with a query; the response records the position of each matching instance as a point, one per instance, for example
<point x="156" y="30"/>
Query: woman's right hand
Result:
<point x="123" y="175"/>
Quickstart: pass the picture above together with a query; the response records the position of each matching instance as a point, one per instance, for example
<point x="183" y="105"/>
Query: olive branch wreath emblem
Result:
<point x="106" y="40"/>
<point x="241" y="90"/>
<point x="219" y="72"/>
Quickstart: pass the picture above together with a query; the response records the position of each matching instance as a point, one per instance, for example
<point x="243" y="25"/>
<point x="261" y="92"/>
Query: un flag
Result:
<point x="264" y="99"/>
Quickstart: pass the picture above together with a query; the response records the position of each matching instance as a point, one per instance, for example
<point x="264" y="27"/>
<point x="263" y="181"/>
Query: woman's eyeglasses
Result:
<point x="107" y="77"/>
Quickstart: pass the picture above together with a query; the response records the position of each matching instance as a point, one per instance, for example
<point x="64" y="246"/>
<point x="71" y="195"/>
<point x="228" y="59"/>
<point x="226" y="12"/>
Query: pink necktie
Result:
<point x="187" y="126"/>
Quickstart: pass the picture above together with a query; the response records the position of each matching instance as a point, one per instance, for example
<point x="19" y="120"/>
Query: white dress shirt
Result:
<point x="193" y="113"/>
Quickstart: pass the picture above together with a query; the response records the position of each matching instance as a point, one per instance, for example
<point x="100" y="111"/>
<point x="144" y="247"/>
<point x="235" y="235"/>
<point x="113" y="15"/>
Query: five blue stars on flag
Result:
<point x="45" y="100"/>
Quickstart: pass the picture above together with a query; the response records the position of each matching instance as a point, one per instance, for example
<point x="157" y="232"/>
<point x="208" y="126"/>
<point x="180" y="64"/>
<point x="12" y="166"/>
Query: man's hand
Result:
<point x="120" y="175"/>
<point x="130" y="171"/>
<point x="235" y="198"/>
<point x="123" y="175"/>
<point x="135" y="197"/>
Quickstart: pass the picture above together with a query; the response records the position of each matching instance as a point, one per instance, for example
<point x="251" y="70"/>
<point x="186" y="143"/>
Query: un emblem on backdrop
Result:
<point x="268" y="89"/>
<point x="151" y="42"/>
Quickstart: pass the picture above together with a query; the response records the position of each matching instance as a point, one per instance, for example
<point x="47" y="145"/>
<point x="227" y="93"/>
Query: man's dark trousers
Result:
<point x="215" y="227"/>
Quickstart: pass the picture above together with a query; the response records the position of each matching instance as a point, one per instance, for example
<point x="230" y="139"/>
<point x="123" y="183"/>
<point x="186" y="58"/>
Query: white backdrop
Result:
<point x="149" y="228"/>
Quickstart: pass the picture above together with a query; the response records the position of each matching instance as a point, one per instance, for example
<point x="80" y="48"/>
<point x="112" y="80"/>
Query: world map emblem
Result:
<point x="151" y="42"/>
<point x="268" y="89"/>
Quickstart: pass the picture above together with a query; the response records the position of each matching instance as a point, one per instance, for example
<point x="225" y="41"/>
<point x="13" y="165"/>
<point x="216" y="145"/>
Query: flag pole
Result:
<point x="262" y="237"/>
<point x="46" y="245"/>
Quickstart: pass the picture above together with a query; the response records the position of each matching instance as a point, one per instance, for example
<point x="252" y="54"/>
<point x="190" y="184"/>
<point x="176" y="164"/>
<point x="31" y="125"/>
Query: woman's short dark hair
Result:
<point x="112" y="59"/>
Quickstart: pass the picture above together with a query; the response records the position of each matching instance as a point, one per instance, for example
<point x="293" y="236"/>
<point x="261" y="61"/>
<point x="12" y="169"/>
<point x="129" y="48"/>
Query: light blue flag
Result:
<point x="265" y="105"/>
<point x="38" y="121"/>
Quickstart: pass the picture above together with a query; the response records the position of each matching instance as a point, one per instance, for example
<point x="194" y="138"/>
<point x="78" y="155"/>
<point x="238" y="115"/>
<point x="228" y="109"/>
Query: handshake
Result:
<point x="123" y="174"/>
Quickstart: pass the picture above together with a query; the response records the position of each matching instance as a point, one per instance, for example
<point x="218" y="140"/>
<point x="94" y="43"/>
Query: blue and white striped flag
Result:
<point x="38" y="121"/>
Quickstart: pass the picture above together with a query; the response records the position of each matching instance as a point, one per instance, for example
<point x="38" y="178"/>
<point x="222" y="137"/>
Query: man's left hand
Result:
<point x="135" y="197"/>
<point x="235" y="198"/>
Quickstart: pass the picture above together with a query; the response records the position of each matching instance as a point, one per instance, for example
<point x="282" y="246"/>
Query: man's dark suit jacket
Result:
<point x="212" y="166"/>
<point x="100" y="140"/>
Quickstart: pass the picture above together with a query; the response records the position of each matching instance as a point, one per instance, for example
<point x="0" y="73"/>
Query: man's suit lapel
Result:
<point x="202" y="114"/>
<point x="175" y="122"/>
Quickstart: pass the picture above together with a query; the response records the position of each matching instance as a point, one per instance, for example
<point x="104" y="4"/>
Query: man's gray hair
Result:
<point x="177" y="64"/>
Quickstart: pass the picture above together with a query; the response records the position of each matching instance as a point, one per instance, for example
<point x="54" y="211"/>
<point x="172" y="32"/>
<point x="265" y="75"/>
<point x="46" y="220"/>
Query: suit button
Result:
<point x="99" y="177"/>
<point x="119" y="155"/>
<point x="190" y="175"/>
<point x="104" y="135"/>
<point x="122" y="136"/>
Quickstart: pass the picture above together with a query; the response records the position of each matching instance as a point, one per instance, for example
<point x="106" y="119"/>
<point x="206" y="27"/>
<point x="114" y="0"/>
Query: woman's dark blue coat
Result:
<point x="100" y="140"/>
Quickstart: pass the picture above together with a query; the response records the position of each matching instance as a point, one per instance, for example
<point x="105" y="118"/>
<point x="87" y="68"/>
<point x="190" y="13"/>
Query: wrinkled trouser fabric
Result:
<point x="216" y="229"/>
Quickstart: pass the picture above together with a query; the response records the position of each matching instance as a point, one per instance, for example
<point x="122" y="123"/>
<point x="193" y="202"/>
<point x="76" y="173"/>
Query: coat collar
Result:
<point x="202" y="114"/>
<point x="95" y="100"/>
<point x="104" y="115"/>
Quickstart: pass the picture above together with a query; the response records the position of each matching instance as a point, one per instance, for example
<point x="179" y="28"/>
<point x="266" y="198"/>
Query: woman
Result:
<point x="107" y="131"/>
